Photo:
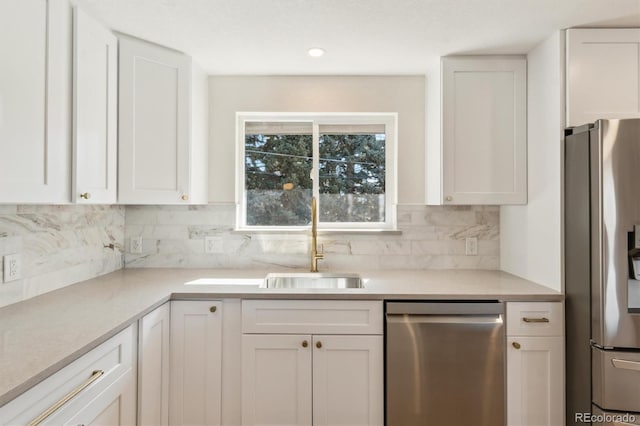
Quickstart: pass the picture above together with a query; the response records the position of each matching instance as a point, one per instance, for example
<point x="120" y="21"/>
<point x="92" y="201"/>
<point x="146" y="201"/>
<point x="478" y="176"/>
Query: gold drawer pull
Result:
<point x="305" y="343"/>
<point x="68" y="397"/>
<point x="85" y="195"/>
<point x="213" y="309"/>
<point x="543" y="319"/>
<point x="516" y="345"/>
<point x="318" y="345"/>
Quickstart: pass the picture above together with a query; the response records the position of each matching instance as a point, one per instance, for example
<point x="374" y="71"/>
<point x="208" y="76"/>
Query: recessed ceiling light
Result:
<point x="315" y="52"/>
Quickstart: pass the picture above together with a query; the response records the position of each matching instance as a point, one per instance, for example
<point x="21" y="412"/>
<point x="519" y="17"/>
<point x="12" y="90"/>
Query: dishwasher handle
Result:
<point x="444" y="319"/>
<point x="445" y="308"/>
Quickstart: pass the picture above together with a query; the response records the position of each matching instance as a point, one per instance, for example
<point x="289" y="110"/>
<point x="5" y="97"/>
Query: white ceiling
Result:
<point x="359" y="36"/>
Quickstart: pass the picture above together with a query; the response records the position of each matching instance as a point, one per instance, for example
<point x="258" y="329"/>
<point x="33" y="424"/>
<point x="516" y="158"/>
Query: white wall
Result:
<point x="531" y="235"/>
<point x="402" y="94"/>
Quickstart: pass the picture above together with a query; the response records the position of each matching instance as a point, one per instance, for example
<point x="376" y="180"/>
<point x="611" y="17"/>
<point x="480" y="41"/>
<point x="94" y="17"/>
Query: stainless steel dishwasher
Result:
<point x="445" y="363"/>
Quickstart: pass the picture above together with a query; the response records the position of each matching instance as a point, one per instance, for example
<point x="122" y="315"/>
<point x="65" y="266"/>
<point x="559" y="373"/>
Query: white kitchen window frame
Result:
<point x="388" y="119"/>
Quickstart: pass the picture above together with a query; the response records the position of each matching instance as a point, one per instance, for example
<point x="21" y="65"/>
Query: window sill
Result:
<point x="320" y="231"/>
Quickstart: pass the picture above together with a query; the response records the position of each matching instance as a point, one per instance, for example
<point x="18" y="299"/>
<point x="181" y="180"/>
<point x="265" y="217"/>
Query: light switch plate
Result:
<point x="136" y="245"/>
<point x="471" y="246"/>
<point x="213" y="245"/>
<point x="12" y="266"/>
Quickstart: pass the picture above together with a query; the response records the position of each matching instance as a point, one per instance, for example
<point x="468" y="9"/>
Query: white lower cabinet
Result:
<point x="348" y="380"/>
<point x="153" y="367"/>
<point x="98" y="388"/>
<point x="319" y="379"/>
<point x="535" y="364"/>
<point x="196" y="363"/>
<point x="276" y="379"/>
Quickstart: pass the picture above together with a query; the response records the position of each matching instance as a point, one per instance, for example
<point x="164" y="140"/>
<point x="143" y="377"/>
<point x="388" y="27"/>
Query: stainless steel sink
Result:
<point x="312" y="280"/>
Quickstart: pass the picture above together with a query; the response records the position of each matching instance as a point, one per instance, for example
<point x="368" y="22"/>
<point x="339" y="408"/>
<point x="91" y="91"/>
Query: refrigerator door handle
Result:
<point x="626" y="364"/>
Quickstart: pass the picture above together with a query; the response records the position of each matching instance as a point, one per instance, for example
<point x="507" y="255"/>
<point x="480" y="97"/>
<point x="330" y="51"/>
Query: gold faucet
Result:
<point x="315" y="255"/>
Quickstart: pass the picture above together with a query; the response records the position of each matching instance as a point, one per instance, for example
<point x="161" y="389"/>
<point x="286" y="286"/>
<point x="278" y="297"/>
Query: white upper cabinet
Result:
<point x="603" y="75"/>
<point x="95" y="97"/>
<point x="484" y="131"/>
<point x="162" y="126"/>
<point x="35" y="96"/>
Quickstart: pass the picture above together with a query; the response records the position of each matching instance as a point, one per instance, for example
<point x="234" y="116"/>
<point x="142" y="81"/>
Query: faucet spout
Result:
<point x="315" y="254"/>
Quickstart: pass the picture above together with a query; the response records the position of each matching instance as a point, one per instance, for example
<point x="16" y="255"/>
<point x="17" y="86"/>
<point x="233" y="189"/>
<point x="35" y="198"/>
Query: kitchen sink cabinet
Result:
<point x="276" y="379"/>
<point x="348" y="380"/>
<point x="482" y="154"/>
<point x="153" y="367"/>
<point x="535" y="364"/>
<point x="162" y="126"/>
<point x="320" y="377"/>
<point x="35" y="95"/>
<point x="603" y="74"/>
<point x="195" y="394"/>
<point x="95" y="120"/>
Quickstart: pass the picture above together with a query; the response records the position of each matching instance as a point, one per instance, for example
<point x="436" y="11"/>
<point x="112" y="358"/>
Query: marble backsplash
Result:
<point x="431" y="237"/>
<point x="59" y="245"/>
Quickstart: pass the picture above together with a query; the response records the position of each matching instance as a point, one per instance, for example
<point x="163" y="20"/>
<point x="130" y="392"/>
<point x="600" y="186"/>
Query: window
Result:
<point x="347" y="161"/>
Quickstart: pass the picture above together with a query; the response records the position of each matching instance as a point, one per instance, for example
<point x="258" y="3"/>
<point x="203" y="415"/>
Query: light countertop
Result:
<point x="41" y="335"/>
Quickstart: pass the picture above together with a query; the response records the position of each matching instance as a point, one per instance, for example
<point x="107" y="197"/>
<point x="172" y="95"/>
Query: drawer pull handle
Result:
<point x="625" y="364"/>
<point x="318" y="345"/>
<point x="525" y="319"/>
<point x="68" y="397"/>
<point x="213" y="309"/>
<point x="305" y="343"/>
<point x="516" y="345"/>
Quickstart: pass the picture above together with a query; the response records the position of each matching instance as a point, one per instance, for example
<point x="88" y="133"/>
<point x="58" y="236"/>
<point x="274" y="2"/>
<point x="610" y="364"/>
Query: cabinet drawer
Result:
<point x="535" y="319"/>
<point x="90" y="374"/>
<point x="312" y="316"/>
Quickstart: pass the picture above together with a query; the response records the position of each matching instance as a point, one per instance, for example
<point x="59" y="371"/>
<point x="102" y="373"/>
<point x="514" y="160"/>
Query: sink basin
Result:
<point x="312" y="280"/>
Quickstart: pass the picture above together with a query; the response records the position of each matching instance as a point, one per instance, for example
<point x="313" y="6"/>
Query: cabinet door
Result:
<point x="35" y="96"/>
<point x="153" y="367"/>
<point x="484" y="132"/>
<point x="535" y="381"/>
<point x="348" y="384"/>
<point x="115" y="406"/>
<point x="95" y="91"/>
<point x="153" y="124"/>
<point x="196" y="363"/>
<point x="276" y="379"/>
<point x="603" y="74"/>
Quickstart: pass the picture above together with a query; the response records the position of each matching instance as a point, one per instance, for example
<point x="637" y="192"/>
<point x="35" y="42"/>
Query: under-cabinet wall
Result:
<point x="432" y="237"/>
<point x="59" y="245"/>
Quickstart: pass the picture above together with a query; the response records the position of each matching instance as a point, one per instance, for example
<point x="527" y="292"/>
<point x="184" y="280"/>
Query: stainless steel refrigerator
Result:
<point x="602" y="271"/>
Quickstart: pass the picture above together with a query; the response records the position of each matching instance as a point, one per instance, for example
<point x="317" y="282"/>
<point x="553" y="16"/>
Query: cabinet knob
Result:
<point x="213" y="309"/>
<point x="449" y="198"/>
<point x="185" y="197"/>
<point x="305" y="343"/>
<point x="85" y="195"/>
<point x="318" y="345"/>
<point x="516" y="345"/>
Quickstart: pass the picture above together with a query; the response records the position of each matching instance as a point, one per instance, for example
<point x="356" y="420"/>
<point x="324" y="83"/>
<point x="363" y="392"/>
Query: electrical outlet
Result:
<point x="213" y="245"/>
<point x="136" y="245"/>
<point x="12" y="267"/>
<point x="471" y="246"/>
